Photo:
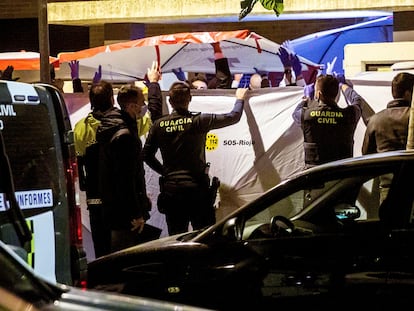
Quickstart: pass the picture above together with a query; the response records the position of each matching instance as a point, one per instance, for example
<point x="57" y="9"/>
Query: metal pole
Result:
<point x="44" y="42"/>
<point x="410" y="136"/>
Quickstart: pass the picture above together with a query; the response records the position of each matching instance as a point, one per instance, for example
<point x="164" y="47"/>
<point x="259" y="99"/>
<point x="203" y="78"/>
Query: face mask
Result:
<point x="143" y="111"/>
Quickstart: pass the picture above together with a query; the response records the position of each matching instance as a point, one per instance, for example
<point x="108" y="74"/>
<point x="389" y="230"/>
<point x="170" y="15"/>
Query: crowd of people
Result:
<point x="224" y="79"/>
<point x="111" y="156"/>
<point x="111" y="159"/>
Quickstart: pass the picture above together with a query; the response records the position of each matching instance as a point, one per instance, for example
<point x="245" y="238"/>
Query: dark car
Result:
<point x="323" y="240"/>
<point x="21" y="289"/>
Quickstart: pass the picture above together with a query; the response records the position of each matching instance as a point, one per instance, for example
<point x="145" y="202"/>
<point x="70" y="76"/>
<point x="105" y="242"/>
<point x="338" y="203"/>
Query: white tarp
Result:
<point x="255" y="154"/>
<point x="251" y="156"/>
<point x="246" y="52"/>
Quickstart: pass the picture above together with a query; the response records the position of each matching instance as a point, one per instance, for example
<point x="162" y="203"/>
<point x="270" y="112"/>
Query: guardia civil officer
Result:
<point x="181" y="138"/>
<point x="328" y="130"/>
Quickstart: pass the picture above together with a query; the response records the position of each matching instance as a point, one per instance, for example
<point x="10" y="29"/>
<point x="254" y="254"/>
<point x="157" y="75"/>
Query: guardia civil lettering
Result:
<point x="175" y="122"/>
<point x="327" y="117"/>
<point x="330" y="114"/>
<point x="175" y="128"/>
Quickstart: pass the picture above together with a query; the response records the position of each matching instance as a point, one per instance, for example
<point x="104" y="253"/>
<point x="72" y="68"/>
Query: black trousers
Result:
<point x="101" y="234"/>
<point x="185" y="202"/>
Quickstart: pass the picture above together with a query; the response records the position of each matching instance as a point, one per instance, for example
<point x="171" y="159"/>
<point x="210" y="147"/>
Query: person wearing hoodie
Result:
<point x="101" y="98"/>
<point x="292" y="75"/>
<point x="125" y="205"/>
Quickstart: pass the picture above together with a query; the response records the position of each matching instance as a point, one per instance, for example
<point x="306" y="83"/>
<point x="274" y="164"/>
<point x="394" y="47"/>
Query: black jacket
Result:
<point x="154" y="100"/>
<point x="181" y="137"/>
<point x="328" y="130"/>
<point x="122" y="175"/>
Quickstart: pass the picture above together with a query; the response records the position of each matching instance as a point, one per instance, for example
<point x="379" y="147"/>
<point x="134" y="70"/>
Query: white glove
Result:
<point x="330" y="66"/>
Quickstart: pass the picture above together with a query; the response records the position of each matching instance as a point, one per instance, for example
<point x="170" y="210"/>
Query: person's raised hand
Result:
<point x="7" y="74"/>
<point x="154" y="73"/>
<point x="74" y="69"/>
<point x="288" y="46"/>
<point x="284" y="57"/>
<point x="241" y="93"/>
<point x="179" y="73"/>
<point x="330" y="66"/>
<point x="98" y="75"/>
<point x="342" y="80"/>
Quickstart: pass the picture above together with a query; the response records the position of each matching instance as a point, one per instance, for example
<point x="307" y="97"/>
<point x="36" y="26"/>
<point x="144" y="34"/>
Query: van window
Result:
<point x="34" y="154"/>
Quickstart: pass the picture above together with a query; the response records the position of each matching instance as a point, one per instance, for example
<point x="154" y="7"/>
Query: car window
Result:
<point x="324" y="205"/>
<point x="32" y="154"/>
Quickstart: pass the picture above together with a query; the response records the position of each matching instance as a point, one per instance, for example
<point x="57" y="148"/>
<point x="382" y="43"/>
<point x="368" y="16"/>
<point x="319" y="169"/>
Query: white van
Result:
<point x="38" y="138"/>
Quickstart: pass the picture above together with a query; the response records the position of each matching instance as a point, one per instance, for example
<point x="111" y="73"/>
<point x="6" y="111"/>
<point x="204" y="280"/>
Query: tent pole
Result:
<point x="44" y="42"/>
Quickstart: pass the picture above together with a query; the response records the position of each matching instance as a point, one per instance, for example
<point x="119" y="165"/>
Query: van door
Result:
<point x="39" y="141"/>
